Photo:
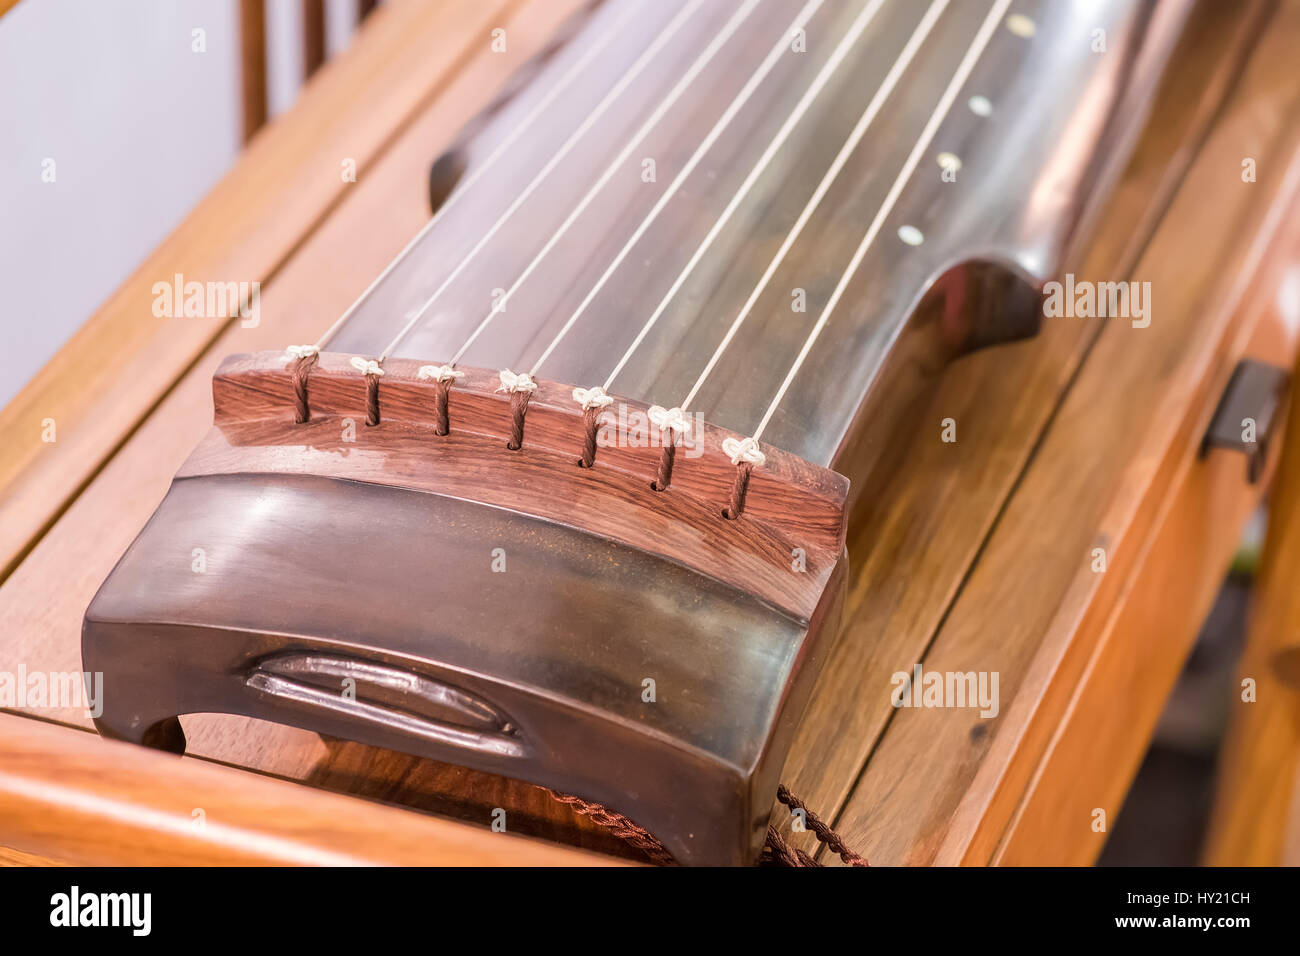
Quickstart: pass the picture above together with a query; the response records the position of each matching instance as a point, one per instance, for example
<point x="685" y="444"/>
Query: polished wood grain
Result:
<point x="1135" y="437"/>
<point x="69" y="797"/>
<point x="102" y="384"/>
<point x="1141" y="645"/>
<point x="12" y="857"/>
<point x="912" y="553"/>
<point x="791" y="508"/>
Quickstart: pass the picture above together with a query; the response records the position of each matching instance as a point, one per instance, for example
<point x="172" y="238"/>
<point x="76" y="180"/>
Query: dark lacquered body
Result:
<point x="552" y="652"/>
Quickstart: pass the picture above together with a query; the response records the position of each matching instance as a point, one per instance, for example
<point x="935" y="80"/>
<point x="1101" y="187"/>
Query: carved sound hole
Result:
<point x="389" y="697"/>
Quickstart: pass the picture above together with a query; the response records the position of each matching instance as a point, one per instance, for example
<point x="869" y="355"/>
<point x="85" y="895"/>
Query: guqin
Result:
<point x="563" y="496"/>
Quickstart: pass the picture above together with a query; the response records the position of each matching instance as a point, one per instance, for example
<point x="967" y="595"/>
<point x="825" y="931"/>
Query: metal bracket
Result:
<point x="1248" y="413"/>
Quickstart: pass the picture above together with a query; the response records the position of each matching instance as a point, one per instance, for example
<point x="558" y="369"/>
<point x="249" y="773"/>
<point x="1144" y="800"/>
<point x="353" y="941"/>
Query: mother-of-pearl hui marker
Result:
<point x="911" y="235"/>
<point x="1021" y="25"/>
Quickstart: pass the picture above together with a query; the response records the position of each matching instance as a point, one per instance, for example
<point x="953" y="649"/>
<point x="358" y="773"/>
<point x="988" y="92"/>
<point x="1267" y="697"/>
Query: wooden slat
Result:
<point x="252" y="65"/>
<point x="1125" y="430"/>
<point x="313" y="36"/>
<point x="1099" y="744"/>
<point x="67" y="796"/>
<point x="12" y="857"/>
<point x="105" y="380"/>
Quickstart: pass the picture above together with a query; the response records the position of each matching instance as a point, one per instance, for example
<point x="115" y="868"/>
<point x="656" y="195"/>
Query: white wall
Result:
<point x="139" y="126"/>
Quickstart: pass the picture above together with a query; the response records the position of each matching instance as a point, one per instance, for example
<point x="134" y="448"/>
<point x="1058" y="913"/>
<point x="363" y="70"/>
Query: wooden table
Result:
<point x="1075" y="451"/>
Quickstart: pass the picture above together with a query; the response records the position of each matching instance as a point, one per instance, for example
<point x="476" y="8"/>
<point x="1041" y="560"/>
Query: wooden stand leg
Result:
<point x="252" y="29"/>
<point x="1254" y="818"/>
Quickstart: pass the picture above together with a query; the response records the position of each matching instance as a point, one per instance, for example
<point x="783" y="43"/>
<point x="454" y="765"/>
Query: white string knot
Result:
<point x="439" y="373"/>
<point x="673" y="419"/>
<point x="366" y="366"/>
<point x="301" y="351"/>
<point x="745" y="450"/>
<point x="510" y="382"/>
<point x="593" y="397"/>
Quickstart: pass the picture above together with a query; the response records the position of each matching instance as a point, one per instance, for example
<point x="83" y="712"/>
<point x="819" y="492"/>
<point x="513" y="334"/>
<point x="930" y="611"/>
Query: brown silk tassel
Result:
<point x="666" y="465"/>
<point x="820" y="830"/>
<point x="776" y="850"/>
<point x="736" y="507"/>
<point x="518" y="409"/>
<point x="301" y="369"/>
<point x="590" y="426"/>
<point x="372" y="399"/>
<point x="619" y="825"/>
<point x="441" y="405"/>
